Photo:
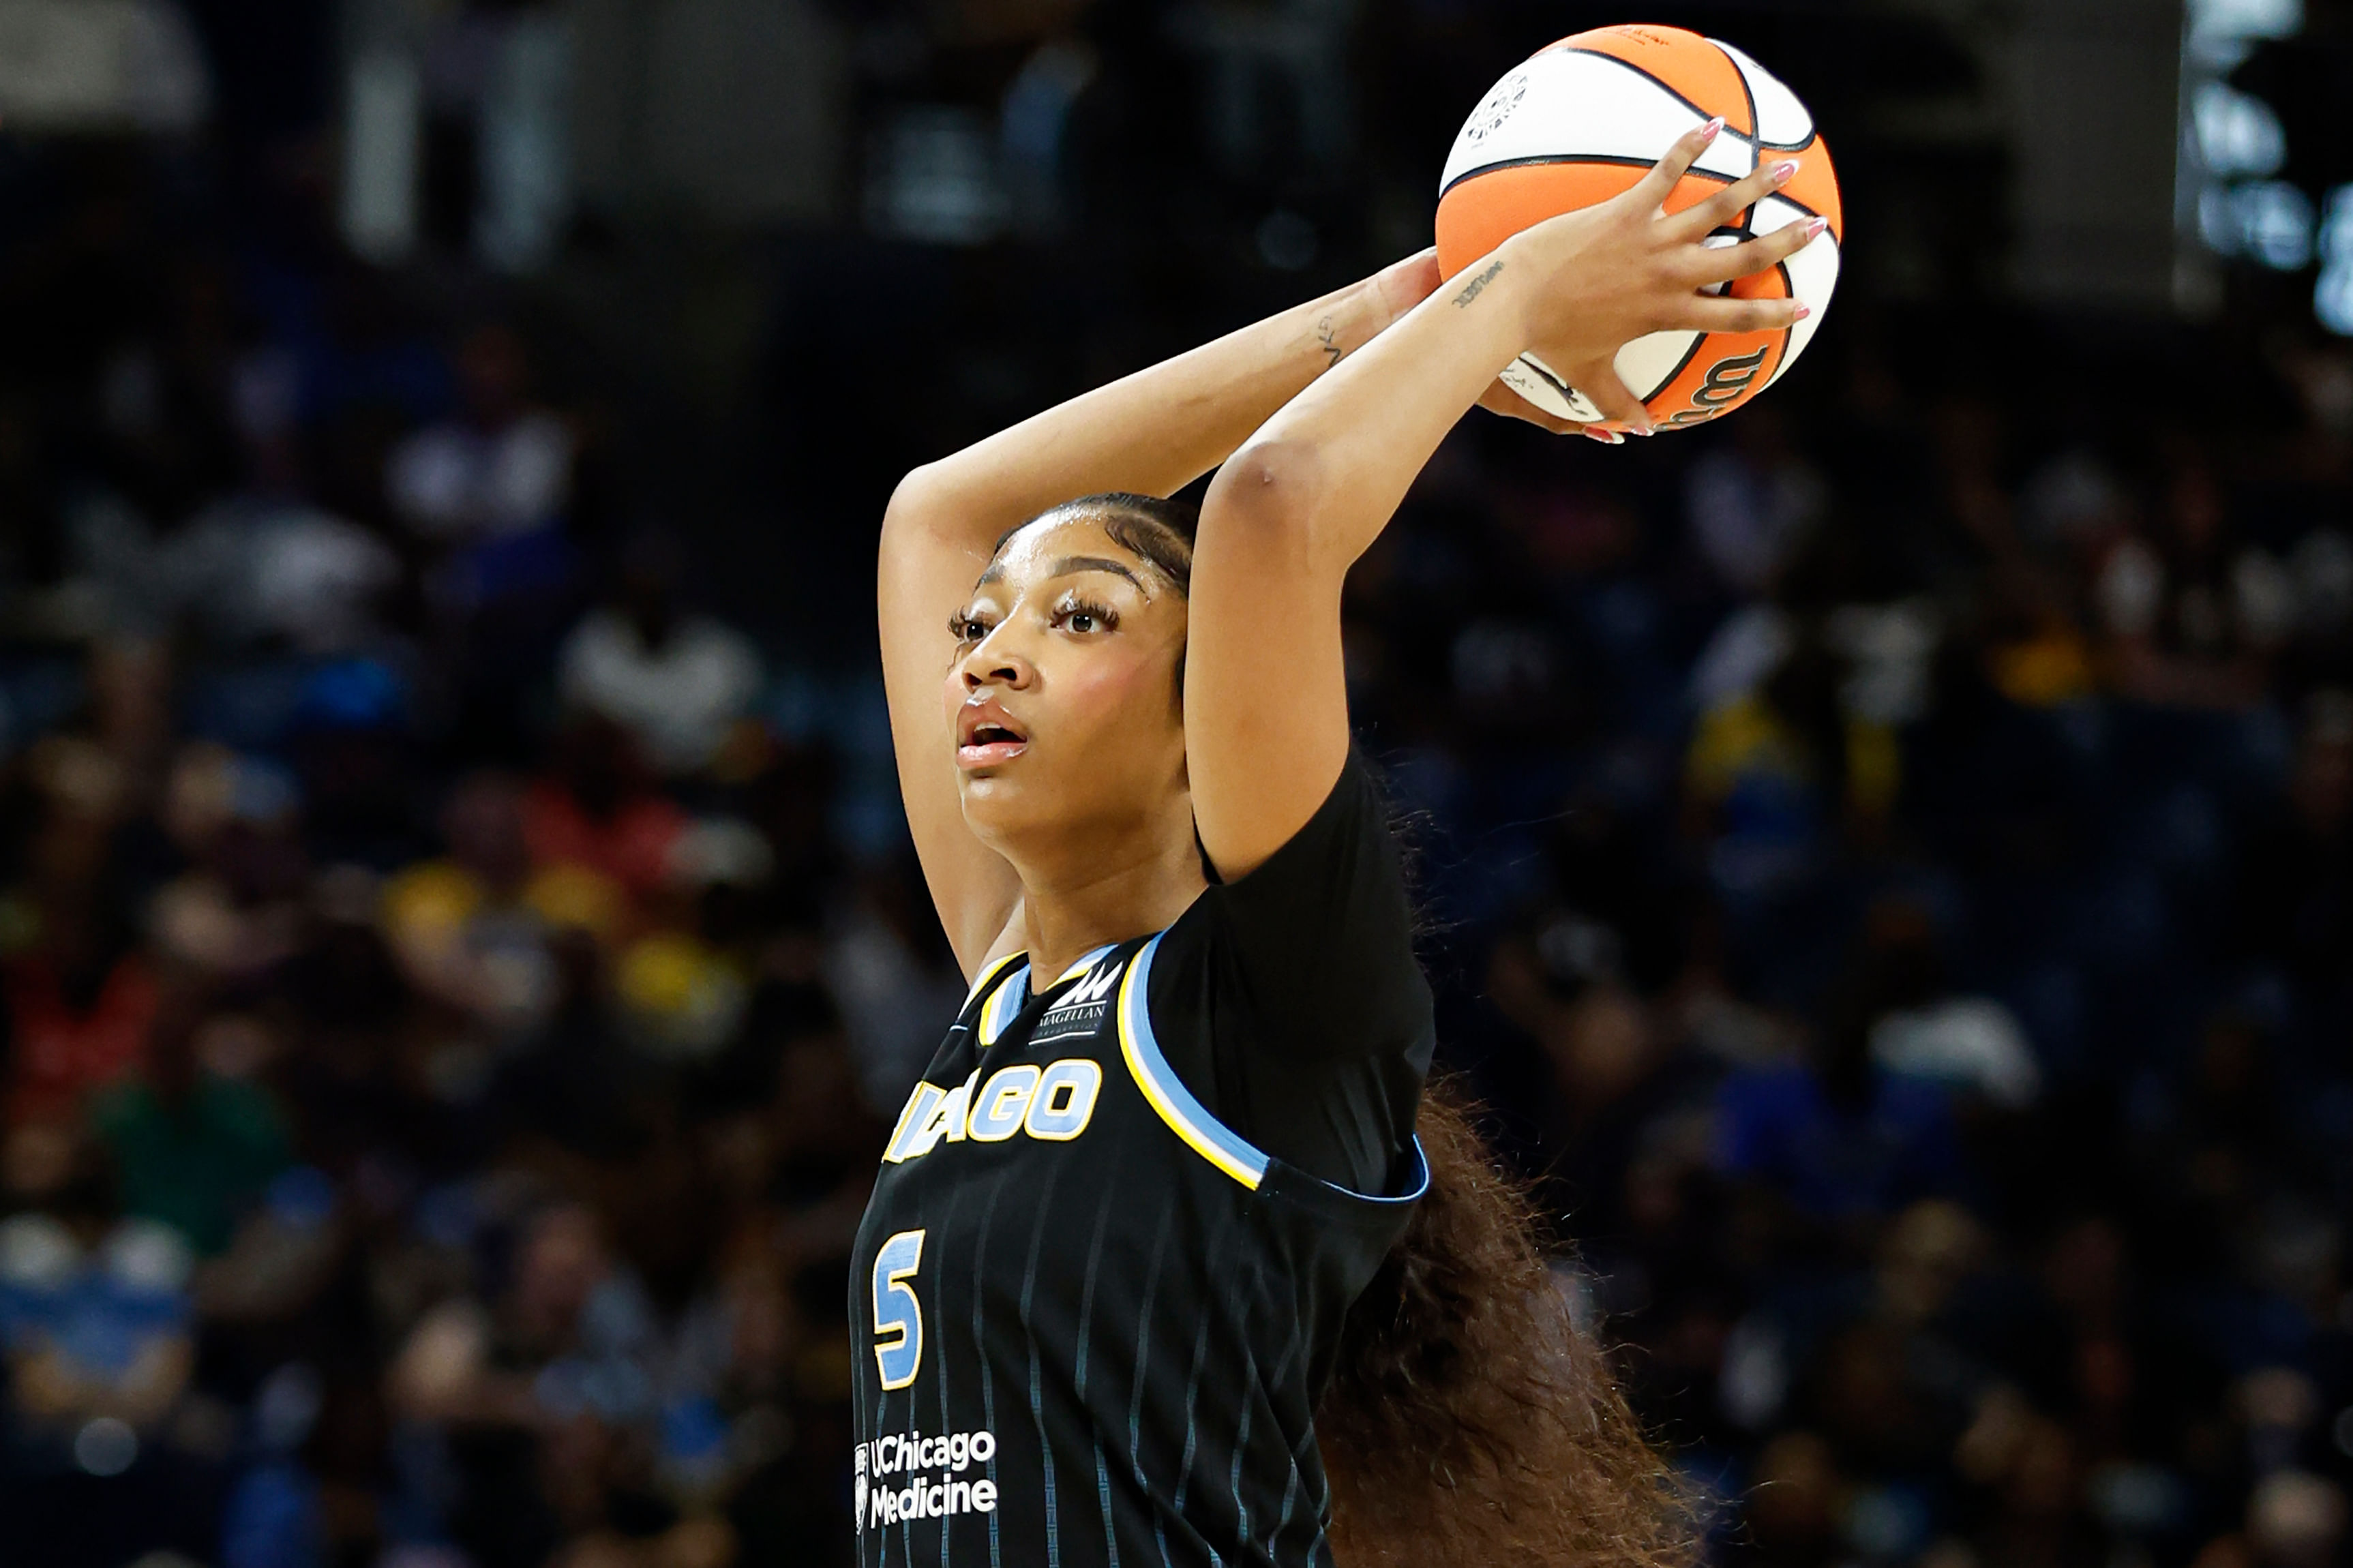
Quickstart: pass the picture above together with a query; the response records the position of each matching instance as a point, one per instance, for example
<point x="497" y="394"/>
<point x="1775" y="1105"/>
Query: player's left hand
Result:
<point x="1501" y="399"/>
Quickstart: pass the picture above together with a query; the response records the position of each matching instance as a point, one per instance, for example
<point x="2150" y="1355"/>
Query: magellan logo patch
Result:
<point x="1082" y="1008"/>
<point x="1094" y="991"/>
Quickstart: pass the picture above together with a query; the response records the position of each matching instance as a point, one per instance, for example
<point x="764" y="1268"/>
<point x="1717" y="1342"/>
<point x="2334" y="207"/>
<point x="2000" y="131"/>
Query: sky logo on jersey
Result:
<point x="1054" y="1103"/>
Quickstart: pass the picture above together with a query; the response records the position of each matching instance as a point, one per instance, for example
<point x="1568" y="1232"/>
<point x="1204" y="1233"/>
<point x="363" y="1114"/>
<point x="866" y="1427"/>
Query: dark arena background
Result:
<point x="1888" y="858"/>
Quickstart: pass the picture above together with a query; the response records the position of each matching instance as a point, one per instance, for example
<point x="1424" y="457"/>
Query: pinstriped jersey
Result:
<point x="1095" y="1317"/>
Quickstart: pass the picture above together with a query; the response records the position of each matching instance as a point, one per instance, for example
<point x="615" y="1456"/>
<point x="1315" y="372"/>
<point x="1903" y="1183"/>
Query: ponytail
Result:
<point x="1469" y="1421"/>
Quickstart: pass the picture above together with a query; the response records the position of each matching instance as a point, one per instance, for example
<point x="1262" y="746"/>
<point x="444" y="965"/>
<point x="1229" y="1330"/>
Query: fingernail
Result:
<point x="1707" y="132"/>
<point x="1801" y="312"/>
<point x="1782" y="172"/>
<point x="1814" y="226"/>
<point x="1610" y="438"/>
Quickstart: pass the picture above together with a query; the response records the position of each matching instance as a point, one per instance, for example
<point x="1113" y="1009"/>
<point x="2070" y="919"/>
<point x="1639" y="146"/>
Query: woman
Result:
<point x="1169" y="1143"/>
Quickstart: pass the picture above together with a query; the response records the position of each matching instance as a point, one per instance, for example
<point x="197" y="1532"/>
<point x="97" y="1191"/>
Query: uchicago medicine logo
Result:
<point x="879" y="1498"/>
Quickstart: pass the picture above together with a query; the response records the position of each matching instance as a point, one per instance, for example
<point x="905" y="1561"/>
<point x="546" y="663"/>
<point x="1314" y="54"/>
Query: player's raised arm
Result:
<point x="1266" y="726"/>
<point x="1150" y="434"/>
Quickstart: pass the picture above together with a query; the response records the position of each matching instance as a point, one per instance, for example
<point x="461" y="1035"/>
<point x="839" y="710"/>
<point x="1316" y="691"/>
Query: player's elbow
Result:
<point x="916" y="503"/>
<point x="1273" y="490"/>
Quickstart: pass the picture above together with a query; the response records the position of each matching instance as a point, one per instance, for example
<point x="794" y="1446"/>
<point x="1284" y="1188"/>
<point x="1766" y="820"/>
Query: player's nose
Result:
<point x="995" y="661"/>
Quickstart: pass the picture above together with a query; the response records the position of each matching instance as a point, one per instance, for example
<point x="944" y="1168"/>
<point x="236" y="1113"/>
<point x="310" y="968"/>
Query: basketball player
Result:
<point x="1169" y="1143"/>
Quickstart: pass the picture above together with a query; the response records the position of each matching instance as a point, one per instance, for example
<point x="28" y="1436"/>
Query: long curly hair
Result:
<point x="1471" y="1420"/>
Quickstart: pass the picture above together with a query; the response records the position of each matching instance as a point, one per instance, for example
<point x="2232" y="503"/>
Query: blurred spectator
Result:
<point x="1750" y="503"/>
<point x="267" y="574"/>
<point x="597" y="807"/>
<point x="1919" y="1027"/>
<point x="501" y="470"/>
<point x="82" y="992"/>
<point x="193" y="1149"/>
<point x="676" y="681"/>
<point x="2192" y="615"/>
<point x="472" y="928"/>
<point x="1838" y="1138"/>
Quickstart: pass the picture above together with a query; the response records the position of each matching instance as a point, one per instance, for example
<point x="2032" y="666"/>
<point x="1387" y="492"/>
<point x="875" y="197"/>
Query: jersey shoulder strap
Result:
<point x="997" y="994"/>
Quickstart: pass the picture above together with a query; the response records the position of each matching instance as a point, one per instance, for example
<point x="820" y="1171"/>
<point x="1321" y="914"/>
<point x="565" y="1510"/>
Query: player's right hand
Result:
<point x="1626" y="268"/>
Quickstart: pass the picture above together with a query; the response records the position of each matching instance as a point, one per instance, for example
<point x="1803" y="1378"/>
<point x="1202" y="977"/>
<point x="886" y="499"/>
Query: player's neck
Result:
<point x="1116" y="892"/>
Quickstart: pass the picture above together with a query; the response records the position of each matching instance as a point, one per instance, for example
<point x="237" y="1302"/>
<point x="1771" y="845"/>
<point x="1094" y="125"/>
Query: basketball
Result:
<point x="1583" y="119"/>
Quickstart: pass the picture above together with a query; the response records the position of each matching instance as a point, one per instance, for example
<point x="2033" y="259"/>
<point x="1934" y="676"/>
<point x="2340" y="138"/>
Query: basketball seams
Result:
<point x="1748" y="93"/>
<point x="1755" y="127"/>
<point x="1698" y="341"/>
<point x="1666" y="87"/>
<point x="1780" y="359"/>
<point x="1588" y="71"/>
<point x="1748" y="63"/>
<point x="1549" y="378"/>
<point x="1754" y="137"/>
<point x="1538" y="160"/>
<point x="1748" y="216"/>
<point x="1782" y="195"/>
<point x="1795" y="342"/>
<point x="1781" y="355"/>
<point x="1682" y="52"/>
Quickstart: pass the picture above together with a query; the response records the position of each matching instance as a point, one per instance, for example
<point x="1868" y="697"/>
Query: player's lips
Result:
<point x="986" y="735"/>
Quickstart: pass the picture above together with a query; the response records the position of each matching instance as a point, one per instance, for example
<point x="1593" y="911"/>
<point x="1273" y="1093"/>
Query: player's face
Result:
<point x="1061" y="701"/>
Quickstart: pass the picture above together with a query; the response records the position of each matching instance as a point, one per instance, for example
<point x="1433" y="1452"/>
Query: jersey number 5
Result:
<point x="898" y="1316"/>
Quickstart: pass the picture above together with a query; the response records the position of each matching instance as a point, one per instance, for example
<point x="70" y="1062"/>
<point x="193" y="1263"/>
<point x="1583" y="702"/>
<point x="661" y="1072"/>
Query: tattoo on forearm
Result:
<point x="1478" y="283"/>
<point x="1329" y="341"/>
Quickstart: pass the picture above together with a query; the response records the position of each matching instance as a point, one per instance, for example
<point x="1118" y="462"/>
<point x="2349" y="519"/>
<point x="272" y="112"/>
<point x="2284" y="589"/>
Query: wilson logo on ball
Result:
<point x="1726" y="380"/>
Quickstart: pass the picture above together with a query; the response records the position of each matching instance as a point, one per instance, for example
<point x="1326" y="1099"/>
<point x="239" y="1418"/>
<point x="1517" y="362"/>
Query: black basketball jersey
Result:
<point x="1097" y="1318"/>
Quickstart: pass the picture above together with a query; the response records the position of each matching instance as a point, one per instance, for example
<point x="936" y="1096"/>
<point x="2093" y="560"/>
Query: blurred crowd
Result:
<point x="1889" y="862"/>
<point x="1901" y="861"/>
<point x="441" y="1032"/>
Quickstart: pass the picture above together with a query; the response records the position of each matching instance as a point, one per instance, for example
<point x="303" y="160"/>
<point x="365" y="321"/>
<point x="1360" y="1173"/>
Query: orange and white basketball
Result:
<point x="1581" y="121"/>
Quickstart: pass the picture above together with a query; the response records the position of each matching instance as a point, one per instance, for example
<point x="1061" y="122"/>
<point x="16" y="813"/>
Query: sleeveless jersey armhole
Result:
<point x="1192" y="1122"/>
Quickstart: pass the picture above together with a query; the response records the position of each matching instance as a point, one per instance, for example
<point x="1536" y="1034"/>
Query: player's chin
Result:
<point x="1000" y="795"/>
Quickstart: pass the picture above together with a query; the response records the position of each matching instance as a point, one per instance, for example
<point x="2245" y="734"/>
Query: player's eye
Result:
<point x="1083" y="617"/>
<point x="967" y="628"/>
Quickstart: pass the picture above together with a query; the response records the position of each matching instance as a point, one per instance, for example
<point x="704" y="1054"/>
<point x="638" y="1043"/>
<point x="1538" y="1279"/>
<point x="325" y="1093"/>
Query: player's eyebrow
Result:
<point x="1064" y="569"/>
<point x="1068" y="564"/>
